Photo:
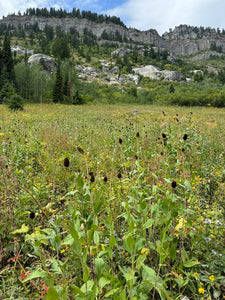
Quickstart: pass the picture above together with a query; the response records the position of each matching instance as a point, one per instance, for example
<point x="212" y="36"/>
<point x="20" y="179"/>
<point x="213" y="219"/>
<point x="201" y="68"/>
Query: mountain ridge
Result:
<point x="182" y="40"/>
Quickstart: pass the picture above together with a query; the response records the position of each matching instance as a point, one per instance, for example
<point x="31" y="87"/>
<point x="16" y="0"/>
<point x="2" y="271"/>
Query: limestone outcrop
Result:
<point x="154" y="73"/>
<point x="46" y="61"/>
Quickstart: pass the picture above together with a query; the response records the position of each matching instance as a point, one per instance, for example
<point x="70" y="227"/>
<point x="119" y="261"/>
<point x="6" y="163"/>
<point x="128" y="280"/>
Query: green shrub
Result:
<point x="15" y="102"/>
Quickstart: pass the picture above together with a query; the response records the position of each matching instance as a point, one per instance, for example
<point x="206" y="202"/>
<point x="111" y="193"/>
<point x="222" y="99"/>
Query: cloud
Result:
<point x="164" y="14"/>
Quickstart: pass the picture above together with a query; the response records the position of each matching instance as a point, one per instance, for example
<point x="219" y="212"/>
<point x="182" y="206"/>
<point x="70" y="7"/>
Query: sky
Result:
<point x="140" y="14"/>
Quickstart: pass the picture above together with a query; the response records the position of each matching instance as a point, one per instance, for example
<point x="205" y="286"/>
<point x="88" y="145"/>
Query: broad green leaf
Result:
<point x="216" y="293"/>
<point x="99" y="265"/>
<point x="188" y="185"/>
<point x="103" y="282"/>
<point x="112" y="241"/>
<point x="39" y="273"/>
<point x="191" y="263"/>
<point x="55" y="266"/>
<point x="85" y="273"/>
<point x="76" y="290"/>
<point x="68" y="240"/>
<point x="148" y="224"/>
<point x="24" y="229"/>
<point x="96" y="237"/>
<point x="140" y="242"/>
<point x="129" y="243"/>
<point x="52" y="294"/>
<point x="112" y="292"/>
<point x="72" y="193"/>
<point x="148" y="274"/>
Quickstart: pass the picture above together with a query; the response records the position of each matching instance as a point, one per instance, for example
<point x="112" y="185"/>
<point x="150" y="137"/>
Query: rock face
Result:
<point x="183" y="40"/>
<point x="154" y="73"/>
<point x="105" y="74"/>
<point x="205" y="55"/>
<point x="46" y="61"/>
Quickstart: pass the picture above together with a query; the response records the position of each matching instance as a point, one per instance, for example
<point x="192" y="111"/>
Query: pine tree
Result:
<point x="58" y="87"/>
<point x="7" y="57"/>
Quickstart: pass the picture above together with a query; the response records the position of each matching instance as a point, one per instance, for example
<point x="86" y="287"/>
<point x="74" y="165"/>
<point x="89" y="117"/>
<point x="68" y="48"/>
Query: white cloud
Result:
<point x="164" y="14"/>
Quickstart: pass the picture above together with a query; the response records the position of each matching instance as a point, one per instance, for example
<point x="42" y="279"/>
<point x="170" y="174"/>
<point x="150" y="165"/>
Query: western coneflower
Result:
<point x="32" y="215"/>
<point x="92" y="178"/>
<point x="137" y="134"/>
<point x="119" y="175"/>
<point x="105" y="178"/>
<point x="185" y="136"/>
<point x="80" y="150"/>
<point x="164" y="136"/>
<point x="120" y="140"/>
<point x="173" y="184"/>
<point x="66" y="162"/>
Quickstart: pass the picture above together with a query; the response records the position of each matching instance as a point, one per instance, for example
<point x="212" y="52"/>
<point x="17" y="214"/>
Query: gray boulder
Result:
<point x="154" y="73"/>
<point x="121" y="52"/>
<point x="21" y="50"/>
<point x="46" y="61"/>
<point x="148" y="71"/>
<point x="172" y="75"/>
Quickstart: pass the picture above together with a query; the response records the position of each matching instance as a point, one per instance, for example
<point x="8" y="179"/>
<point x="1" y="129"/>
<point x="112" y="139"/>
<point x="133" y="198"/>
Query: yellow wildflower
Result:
<point x="212" y="278"/>
<point x="201" y="291"/>
<point x="144" y="251"/>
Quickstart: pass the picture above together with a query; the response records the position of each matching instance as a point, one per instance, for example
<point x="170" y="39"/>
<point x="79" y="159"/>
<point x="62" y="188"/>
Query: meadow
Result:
<point x="99" y="202"/>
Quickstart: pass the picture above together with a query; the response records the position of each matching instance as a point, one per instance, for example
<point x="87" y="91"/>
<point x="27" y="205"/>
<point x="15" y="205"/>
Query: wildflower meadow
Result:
<point x="112" y="202"/>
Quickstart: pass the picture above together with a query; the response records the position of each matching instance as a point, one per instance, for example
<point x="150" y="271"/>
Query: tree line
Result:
<point x="75" y="13"/>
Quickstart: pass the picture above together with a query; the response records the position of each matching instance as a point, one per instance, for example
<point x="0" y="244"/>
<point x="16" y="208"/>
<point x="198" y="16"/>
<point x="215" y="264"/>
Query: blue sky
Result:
<point x="141" y="14"/>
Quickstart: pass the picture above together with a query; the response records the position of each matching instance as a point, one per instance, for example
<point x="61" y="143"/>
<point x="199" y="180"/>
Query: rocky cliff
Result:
<point x="183" y="40"/>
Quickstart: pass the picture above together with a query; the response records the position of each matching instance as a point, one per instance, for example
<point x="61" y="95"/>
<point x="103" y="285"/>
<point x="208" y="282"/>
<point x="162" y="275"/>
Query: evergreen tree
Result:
<point x="58" y="86"/>
<point x="60" y="48"/>
<point x="1" y="61"/>
<point x="7" y="57"/>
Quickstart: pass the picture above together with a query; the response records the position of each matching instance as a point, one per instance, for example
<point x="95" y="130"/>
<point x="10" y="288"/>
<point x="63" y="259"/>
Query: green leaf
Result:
<point x="76" y="290"/>
<point x="129" y="275"/>
<point x="99" y="265"/>
<point x="39" y="273"/>
<point x="103" y="282"/>
<point x="191" y="263"/>
<point x="188" y="185"/>
<point x="140" y="242"/>
<point x="74" y="233"/>
<point x="76" y="246"/>
<point x="96" y="237"/>
<point x="24" y="229"/>
<point x="112" y="241"/>
<point x="129" y="243"/>
<point x="52" y="294"/>
<point x="55" y="266"/>
<point x="72" y="193"/>
<point x="216" y="293"/>
<point x="148" y="274"/>
<point x="68" y="240"/>
<point x="85" y="273"/>
<point x="148" y="224"/>
<point x="112" y="292"/>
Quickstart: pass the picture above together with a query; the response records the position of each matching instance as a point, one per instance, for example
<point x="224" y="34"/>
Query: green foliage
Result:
<point x="15" y="102"/>
<point x="58" y="86"/>
<point x="60" y="48"/>
<point x="154" y="232"/>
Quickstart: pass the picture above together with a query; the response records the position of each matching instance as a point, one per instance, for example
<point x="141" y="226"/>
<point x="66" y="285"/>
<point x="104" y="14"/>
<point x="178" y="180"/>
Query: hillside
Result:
<point x="88" y="57"/>
<point x="183" y="40"/>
